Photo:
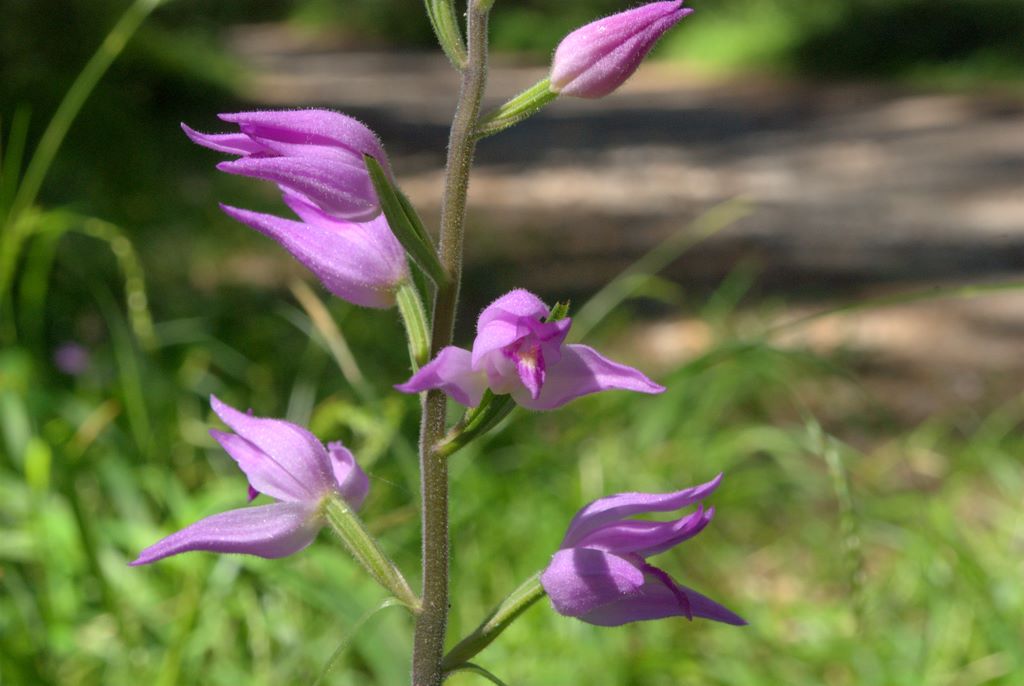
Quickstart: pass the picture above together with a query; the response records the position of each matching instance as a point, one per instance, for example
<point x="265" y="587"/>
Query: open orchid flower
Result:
<point x="286" y="462"/>
<point x="595" y="59"/>
<point x="314" y="154"/>
<point x="601" y="576"/>
<point x="361" y="262"/>
<point x="518" y="352"/>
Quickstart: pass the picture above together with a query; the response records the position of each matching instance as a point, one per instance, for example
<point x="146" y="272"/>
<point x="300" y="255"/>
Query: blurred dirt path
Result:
<point x="850" y="184"/>
<point x="861" y="187"/>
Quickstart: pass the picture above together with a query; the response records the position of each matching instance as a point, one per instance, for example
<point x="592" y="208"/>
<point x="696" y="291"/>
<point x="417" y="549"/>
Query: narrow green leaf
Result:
<point x="405" y="229"/>
<point x="477" y="669"/>
<point x="10" y="165"/>
<point x="346" y="642"/>
<point x="446" y="28"/>
<point x="75" y="98"/>
<point x="414" y="317"/>
<point x="414" y="218"/>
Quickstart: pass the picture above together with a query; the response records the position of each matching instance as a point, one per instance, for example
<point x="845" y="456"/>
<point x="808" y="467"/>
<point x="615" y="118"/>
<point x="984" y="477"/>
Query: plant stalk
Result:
<point x="518" y="602"/>
<point x="432" y="622"/>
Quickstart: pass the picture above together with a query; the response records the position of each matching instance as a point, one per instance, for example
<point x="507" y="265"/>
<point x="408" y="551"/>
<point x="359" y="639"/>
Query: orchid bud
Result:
<point x="595" y="59"/>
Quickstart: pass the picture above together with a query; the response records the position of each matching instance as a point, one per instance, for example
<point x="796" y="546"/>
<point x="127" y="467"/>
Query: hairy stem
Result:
<point x="431" y="623"/>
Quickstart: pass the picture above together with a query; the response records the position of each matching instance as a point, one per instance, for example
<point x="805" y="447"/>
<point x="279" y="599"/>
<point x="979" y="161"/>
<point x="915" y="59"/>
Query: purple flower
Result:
<point x="361" y="262"/>
<point x="286" y="462"/>
<point x="595" y="59"/>
<point x="72" y="358"/>
<point x="517" y="352"/>
<point x="314" y="154"/>
<point x="601" y="575"/>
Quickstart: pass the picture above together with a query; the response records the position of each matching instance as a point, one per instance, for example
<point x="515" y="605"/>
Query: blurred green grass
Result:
<point x="894" y="563"/>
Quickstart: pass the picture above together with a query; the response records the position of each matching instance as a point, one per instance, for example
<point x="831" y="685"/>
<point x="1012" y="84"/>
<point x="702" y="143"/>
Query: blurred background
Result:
<point x="805" y="219"/>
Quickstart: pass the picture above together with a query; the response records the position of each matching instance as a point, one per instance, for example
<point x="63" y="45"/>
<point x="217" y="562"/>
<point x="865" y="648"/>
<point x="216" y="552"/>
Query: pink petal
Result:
<point x="267" y="531"/>
<point x="603" y="511"/>
<point x="311" y="127"/>
<point x="645" y="538"/>
<point x="295" y="456"/>
<point x="452" y="373"/>
<point x="232" y="143"/>
<point x="580" y="580"/>
<point x="353" y="484"/>
<point x="514" y="305"/>
<point x="491" y="338"/>
<point x="343" y="190"/>
<point x="582" y="370"/>
<point x="654" y="600"/>
<point x="362" y="263"/>
<point x="263" y="473"/>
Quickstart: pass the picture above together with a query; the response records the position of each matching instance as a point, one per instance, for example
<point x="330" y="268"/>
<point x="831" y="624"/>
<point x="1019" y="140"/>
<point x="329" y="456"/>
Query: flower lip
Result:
<point x="518" y="352"/>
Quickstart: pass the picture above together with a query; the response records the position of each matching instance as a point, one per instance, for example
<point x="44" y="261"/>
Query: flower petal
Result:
<point x="267" y="531"/>
<point x="341" y="188"/>
<point x="312" y="127"/>
<point x="610" y="509"/>
<point x="231" y="143"/>
<point x="580" y="371"/>
<point x="295" y="455"/>
<point x="653" y="600"/>
<point x="580" y="580"/>
<point x="512" y="307"/>
<point x="264" y="475"/>
<point x="645" y="538"/>
<point x="353" y="484"/>
<point x="452" y="373"/>
<point x="362" y="263"/>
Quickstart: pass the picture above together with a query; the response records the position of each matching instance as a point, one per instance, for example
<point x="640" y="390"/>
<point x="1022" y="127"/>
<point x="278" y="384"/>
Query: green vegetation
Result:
<point x="888" y="564"/>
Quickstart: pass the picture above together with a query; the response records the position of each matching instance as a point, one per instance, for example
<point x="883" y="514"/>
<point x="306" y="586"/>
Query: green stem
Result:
<point x="410" y="307"/>
<point x="363" y="546"/>
<point x="520" y="600"/>
<point x="522" y="106"/>
<point x="478" y="421"/>
<point x="432" y="622"/>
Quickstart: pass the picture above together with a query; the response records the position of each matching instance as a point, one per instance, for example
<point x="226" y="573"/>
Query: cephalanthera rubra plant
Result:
<point x="357" y="232"/>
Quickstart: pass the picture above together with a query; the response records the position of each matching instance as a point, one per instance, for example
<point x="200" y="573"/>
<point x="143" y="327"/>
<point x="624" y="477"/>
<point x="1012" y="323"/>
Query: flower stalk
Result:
<point x="432" y="621"/>
<point x="518" y="602"/>
<point x="520" y="107"/>
<point x="350" y="529"/>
